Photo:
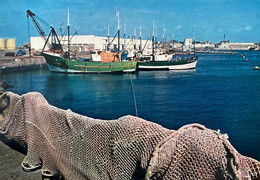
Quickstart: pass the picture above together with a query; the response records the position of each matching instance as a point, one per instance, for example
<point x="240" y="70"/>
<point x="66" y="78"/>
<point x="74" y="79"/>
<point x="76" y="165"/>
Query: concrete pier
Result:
<point x="21" y="63"/>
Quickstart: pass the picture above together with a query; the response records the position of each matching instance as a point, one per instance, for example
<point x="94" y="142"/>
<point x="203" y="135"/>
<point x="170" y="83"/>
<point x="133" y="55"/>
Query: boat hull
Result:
<point x="189" y="65"/>
<point x="57" y="63"/>
<point x="167" y="65"/>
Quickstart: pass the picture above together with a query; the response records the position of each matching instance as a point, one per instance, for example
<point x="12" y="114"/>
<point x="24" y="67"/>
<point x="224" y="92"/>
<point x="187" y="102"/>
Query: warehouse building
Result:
<point x="83" y="43"/>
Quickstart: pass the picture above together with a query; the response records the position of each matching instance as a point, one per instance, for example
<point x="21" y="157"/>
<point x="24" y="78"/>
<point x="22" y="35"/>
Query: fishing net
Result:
<point x="65" y="144"/>
<point x="195" y="152"/>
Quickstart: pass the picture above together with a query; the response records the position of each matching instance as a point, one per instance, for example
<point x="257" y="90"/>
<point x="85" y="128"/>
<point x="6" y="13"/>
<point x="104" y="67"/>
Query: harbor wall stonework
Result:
<point x="11" y="64"/>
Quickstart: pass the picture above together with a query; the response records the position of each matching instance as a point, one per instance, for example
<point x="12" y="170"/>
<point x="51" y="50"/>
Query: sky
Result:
<point x="208" y="20"/>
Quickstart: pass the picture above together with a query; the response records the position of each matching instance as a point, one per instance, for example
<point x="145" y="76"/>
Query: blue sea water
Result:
<point x="223" y="92"/>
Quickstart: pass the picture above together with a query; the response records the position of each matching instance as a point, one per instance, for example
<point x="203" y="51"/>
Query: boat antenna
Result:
<point x="153" y="42"/>
<point x="68" y="32"/>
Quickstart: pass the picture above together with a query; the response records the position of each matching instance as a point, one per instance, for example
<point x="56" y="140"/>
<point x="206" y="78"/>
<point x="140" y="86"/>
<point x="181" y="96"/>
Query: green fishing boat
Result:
<point x="57" y="63"/>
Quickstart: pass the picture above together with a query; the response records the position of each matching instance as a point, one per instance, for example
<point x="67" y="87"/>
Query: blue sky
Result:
<point x="239" y="20"/>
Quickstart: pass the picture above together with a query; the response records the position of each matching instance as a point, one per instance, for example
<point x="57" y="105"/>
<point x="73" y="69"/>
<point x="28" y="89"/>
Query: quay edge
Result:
<point x="21" y="63"/>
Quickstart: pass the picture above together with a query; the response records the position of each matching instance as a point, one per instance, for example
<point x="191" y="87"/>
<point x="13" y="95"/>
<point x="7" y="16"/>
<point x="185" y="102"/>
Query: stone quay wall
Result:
<point x="21" y="63"/>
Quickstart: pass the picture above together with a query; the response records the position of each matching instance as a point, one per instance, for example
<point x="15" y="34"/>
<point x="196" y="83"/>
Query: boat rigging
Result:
<point x="57" y="61"/>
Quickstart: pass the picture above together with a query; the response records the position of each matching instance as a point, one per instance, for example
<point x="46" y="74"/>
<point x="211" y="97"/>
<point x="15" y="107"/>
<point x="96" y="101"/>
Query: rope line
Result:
<point x="133" y="90"/>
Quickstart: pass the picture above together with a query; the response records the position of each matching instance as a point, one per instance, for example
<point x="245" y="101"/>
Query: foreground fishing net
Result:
<point x="65" y="144"/>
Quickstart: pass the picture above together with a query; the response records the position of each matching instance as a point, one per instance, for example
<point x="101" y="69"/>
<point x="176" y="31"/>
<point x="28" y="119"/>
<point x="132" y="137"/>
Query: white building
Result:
<point x="242" y="46"/>
<point x="176" y="45"/>
<point x="226" y="45"/>
<point x="187" y="44"/>
<point x="82" y="43"/>
<point x="203" y="45"/>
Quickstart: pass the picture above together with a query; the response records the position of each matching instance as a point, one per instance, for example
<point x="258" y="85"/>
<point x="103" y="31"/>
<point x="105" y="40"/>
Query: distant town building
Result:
<point x="204" y="45"/>
<point x="227" y="45"/>
<point x="223" y="44"/>
<point x="83" y="43"/>
<point x="177" y="45"/>
<point x="187" y="44"/>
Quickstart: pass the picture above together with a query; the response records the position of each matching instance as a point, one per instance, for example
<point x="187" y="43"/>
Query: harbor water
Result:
<point x="223" y="92"/>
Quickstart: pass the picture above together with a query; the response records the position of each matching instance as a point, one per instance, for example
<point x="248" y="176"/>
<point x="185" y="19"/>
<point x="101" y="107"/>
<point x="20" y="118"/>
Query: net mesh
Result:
<point x="69" y="145"/>
<point x="195" y="152"/>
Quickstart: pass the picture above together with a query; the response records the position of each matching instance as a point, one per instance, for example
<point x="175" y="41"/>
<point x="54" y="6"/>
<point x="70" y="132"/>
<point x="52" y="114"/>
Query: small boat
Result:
<point x="181" y="64"/>
<point x="166" y="62"/>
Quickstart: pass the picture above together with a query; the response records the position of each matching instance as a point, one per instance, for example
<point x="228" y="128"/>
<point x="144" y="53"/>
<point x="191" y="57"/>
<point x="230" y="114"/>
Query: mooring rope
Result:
<point x="133" y="90"/>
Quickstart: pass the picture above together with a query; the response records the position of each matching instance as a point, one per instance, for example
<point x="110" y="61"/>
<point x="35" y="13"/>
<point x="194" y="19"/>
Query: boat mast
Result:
<point x="163" y="45"/>
<point x="124" y="34"/>
<point x="134" y="38"/>
<point x="68" y="33"/>
<point x="153" y="43"/>
<point x="172" y="41"/>
<point x="108" y="35"/>
<point x="194" y="43"/>
<point x="163" y="34"/>
<point x="140" y="39"/>
<point x="156" y="38"/>
<point x="118" y="31"/>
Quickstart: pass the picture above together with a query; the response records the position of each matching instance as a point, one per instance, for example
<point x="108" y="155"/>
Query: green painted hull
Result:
<point x="56" y="63"/>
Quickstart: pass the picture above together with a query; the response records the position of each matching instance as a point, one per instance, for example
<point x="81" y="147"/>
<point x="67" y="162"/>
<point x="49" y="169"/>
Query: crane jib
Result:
<point x="55" y="42"/>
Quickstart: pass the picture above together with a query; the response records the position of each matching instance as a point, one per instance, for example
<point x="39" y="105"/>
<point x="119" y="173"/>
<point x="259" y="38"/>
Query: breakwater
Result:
<point x="21" y="63"/>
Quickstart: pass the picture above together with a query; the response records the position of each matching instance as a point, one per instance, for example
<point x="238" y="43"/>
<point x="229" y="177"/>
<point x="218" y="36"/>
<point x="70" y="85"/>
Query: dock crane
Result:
<point x="54" y="44"/>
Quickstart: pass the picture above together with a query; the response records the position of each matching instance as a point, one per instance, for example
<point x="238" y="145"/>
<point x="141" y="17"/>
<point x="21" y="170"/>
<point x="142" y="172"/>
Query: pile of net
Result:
<point x="67" y="145"/>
